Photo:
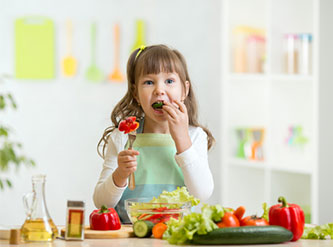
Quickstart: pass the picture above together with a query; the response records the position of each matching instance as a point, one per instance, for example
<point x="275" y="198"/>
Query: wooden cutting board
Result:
<point x="126" y="231"/>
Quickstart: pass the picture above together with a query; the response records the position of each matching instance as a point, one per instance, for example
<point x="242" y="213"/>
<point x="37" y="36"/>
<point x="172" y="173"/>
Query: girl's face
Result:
<point x="165" y="87"/>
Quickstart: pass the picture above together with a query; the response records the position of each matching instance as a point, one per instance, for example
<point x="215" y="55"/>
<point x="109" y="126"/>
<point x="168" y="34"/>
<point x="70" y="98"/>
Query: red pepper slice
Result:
<point x="128" y="125"/>
<point x="289" y="216"/>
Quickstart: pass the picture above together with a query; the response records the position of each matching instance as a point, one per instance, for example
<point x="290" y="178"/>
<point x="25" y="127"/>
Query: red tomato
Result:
<point x="228" y="220"/>
<point x="253" y="221"/>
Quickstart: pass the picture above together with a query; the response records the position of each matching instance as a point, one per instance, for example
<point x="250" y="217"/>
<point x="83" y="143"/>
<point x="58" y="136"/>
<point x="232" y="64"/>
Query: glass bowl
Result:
<point x="143" y="209"/>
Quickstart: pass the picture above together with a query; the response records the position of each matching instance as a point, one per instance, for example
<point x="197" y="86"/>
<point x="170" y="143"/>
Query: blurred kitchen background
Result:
<point x="260" y="70"/>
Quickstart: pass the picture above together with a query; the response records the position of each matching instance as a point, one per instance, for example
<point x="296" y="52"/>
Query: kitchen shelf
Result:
<point x="292" y="78"/>
<point x="292" y="168"/>
<point x="274" y="101"/>
<point x="247" y="77"/>
<point x="247" y="163"/>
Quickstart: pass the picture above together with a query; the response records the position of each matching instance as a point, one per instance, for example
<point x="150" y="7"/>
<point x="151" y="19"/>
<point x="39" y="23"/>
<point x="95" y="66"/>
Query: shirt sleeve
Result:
<point x="106" y="192"/>
<point x="194" y="164"/>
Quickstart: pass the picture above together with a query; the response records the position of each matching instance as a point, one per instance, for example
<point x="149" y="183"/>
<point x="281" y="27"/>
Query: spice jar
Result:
<point x="291" y="53"/>
<point x="305" y="53"/>
<point x="75" y="220"/>
<point x="255" y="53"/>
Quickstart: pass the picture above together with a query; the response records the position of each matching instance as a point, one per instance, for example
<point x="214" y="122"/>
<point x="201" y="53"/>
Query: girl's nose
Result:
<point x="159" y="89"/>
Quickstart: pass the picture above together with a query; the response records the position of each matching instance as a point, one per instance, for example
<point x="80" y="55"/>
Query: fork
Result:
<point x="131" y="139"/>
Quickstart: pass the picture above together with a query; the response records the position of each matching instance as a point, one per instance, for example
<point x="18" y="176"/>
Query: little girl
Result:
<point x="170" y="149"/>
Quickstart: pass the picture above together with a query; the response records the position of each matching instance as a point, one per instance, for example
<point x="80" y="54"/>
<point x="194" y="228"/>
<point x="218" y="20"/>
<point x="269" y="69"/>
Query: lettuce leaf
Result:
<point x="181" y="231"/>
<point x="266" y="211"/>
<point x="177" y="196"/>
<point x="318" y="232"/>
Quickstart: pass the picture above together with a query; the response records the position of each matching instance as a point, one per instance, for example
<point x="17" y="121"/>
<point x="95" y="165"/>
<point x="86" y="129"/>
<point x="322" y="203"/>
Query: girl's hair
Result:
<point x="152" y="60"/>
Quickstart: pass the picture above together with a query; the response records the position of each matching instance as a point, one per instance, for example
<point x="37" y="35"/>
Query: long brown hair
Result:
<point x="151" y="60"/>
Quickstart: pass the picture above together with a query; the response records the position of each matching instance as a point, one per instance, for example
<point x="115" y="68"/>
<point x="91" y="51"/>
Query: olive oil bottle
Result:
<point x="38" y="226"/>
<point x="38" y="230"/>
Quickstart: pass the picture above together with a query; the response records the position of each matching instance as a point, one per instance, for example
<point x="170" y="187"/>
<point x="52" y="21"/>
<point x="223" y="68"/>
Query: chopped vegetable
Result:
<point x="266" y="210"/>
<point x="128" y="125"/>
<point x="179" y="195"/>
<point x="181" y="231"/>
<point x="163" y="214"/>
<point x="167" y="205"/>
<point x="158" y="105"/>
<point x="290" y="216"/>
<point x="228" y="220"/>
<point x="239" y="212"/>
<point x="143" y="228"/>
<point x="318" y="232"/>
<point x="159" y="229"/>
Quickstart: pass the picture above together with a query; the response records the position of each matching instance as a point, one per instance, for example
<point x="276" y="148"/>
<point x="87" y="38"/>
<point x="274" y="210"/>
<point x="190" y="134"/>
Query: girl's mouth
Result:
<point x="158" y="105"/>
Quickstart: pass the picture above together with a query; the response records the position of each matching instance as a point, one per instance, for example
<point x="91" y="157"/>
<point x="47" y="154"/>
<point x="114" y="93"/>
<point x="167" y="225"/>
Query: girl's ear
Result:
<point x="187" y="89"/>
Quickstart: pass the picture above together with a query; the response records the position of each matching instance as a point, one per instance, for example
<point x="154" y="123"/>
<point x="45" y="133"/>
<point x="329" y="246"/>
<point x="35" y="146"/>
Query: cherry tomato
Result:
<point x="228" y="220"/>
<point x="253" y="221"/>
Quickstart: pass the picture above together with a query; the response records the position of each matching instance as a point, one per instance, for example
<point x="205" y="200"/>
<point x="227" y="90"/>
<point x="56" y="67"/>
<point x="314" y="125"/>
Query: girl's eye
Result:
<point x="169" y="81"/>
<point x="148" y="82"/>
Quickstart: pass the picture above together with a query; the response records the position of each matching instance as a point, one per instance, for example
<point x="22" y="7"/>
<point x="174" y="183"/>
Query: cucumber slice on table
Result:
<point x="245" y="235"/>
<point x="143" y="228"/>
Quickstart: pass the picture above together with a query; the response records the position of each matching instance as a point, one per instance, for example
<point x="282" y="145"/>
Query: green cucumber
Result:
<point x="245" y="235"/>
<point x="143" y="228"/>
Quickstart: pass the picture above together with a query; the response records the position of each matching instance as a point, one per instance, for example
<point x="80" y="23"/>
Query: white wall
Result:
<point x="325" y="121"/>
<point x="60" y="121"/>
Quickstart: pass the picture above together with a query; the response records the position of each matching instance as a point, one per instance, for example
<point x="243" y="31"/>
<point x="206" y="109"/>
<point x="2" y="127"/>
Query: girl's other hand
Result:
<point x="126" y="165"/>
<point x="177" y="117"/>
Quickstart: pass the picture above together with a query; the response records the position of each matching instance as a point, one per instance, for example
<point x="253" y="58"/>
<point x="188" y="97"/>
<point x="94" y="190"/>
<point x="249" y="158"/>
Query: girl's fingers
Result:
<point x="130" y="165"/>
<point x="170" y="112"/>
<point x="181" y="106"/>
<point x="129" y="152"/>
<point x="170" y="109"/>
<point x="126" y="159"/>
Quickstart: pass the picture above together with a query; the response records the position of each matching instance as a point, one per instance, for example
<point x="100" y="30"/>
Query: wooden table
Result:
<point x="136" y="242"/>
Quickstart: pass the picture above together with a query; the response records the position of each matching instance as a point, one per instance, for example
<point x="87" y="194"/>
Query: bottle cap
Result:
<point x="75" y="203"/>
<point x="14" y="237"/>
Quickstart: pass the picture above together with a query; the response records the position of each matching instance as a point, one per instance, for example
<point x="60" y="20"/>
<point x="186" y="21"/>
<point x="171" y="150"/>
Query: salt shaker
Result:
<point x="75" y="220"/>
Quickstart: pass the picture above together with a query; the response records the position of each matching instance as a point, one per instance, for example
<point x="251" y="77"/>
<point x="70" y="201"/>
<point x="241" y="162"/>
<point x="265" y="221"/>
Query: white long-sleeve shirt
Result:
<point x="193" y="163"/>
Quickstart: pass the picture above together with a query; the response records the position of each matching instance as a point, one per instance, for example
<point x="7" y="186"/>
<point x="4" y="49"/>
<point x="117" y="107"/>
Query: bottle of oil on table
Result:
<point x="38" y="226"/>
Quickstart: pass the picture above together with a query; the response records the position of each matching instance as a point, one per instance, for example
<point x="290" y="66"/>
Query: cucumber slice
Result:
<point x="158" y="105"/>
<point x="143" y="228"/>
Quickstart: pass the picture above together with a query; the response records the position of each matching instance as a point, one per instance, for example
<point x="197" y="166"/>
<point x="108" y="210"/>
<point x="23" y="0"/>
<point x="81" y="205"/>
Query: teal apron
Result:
<point x="156" y="171"/>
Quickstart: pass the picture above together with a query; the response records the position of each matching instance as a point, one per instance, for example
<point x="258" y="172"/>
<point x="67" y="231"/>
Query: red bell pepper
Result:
<point x="289" y="216"/>
<point x="104" y="219"/>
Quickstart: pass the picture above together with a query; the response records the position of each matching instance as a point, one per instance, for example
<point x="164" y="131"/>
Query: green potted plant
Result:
<point x="10" y="155"/>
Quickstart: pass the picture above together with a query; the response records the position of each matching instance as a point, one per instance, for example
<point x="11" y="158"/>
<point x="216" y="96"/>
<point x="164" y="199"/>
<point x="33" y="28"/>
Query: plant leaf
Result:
<point x="9" y="183"/>
<point x="2" y="102"/>
<point x="12" y="101"/>
<point x="4" y="131"/>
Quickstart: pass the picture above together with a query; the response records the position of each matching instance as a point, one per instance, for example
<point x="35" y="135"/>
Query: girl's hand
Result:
<point x="126" y="165"/>
<point x="177" y="118"/>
